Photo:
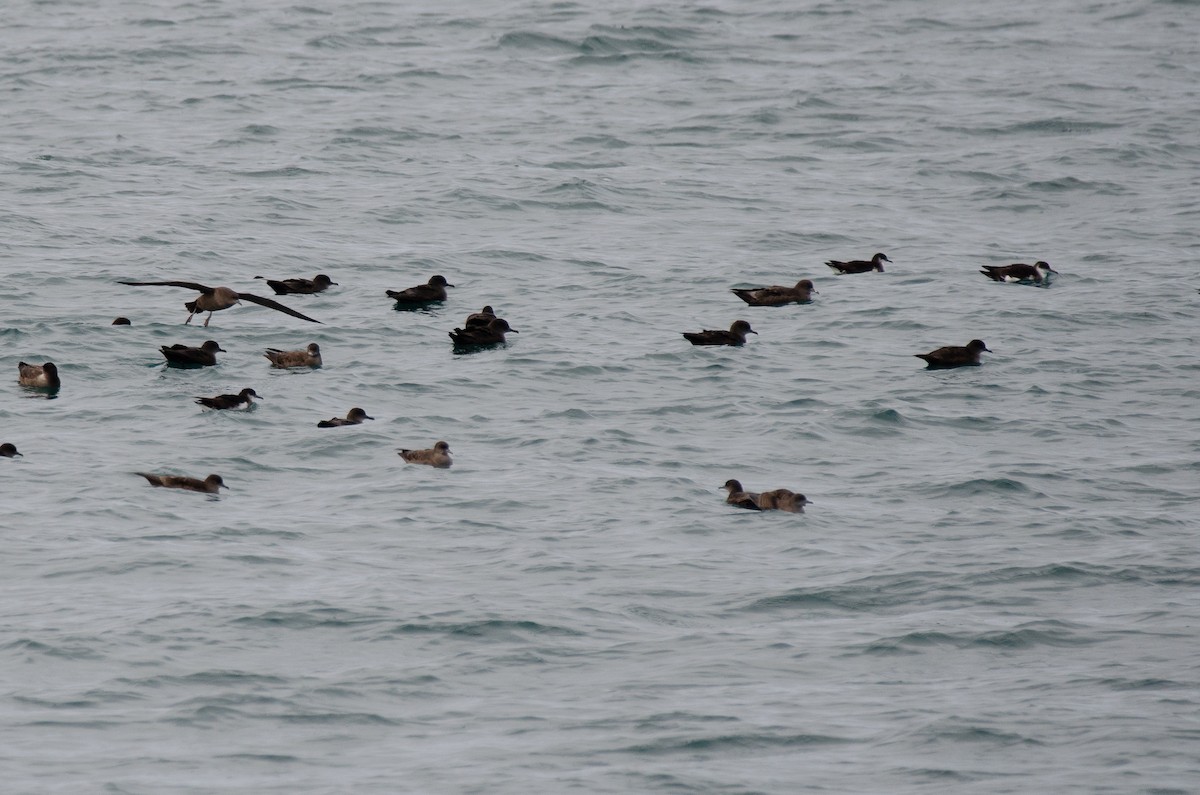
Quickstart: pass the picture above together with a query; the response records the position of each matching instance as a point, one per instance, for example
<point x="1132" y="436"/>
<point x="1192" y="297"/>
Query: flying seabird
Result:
<point x="859" y="265"/>
<point x="309" y="357"/>
<point x="437" y="456"/>
<point x="735" y="336"/>
<point x="776" y="295"/>
<point x="230" y="401"/>
<point x="213" y="299"/>
<point x="955" y="355"/>
<point x="355" y="417"/>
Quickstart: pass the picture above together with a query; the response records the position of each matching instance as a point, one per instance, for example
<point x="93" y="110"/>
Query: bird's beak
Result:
<point x="751" y="331"/>
<point x="222" y="486"/>
<point x="366" y="417"/>
<point x="514" y="331"/>
<point x="222" y="350"/>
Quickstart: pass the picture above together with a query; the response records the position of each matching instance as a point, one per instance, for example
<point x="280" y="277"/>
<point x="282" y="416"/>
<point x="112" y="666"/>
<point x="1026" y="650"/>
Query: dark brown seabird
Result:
<point x="355" y="417"/>
<point x="776" y="295"/>
<point x="8" y="450"/>
<point x="776" y="500"/>
<point x="309" y="357"/>
<point x="437" y="456"/>
<point x="318" y="284"/>
<point x="480" y="318"/>
<point x="230" y="401"/>
<point x="431" y="292"/>
<point x="955" y="355"/>
<point x="43" y="376"/>
<point x="735" y="336"/>
<point x="209" y="485"/>
<point x="183" y="356"/>
<point x="479" y="336"/>
<point x="858" y="265"/>
<point x="121" y="321"/>
<point x="739" y="497"/>
<point x="214" y="299"/>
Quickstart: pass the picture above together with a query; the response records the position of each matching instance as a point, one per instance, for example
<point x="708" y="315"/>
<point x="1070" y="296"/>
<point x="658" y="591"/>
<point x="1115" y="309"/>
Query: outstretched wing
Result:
<point x="269" y="304"/>
<point x="188" y="285"/>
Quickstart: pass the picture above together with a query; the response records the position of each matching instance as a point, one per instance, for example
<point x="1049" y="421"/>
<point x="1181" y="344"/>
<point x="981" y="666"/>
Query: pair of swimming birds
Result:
<point x="206" y="355"/>
<point x="776" y="500"/>
<point x="355" y="416"/>
<point x="1038" y="273"/>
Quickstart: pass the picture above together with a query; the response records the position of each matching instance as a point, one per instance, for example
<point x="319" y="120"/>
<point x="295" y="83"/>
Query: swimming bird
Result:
<point x="8" y="450"/>
<point x="735" y="336"/>
<point x="209" y="485"/>
<point x="775" y="295"/>
<point x="782" y="500"/>
<point x="955" y="355"/>
<point x="309" y="357"/>
<point x="230" y="401"/>
<point x="44" y="376"/>
<point x="355" y="417"/>
<point x="739" y="497"/>
<point x="478" y="336"/>
<point x="431" y="292"/>
<point x="121" y="321"/>
<point x="183" y="356"/>
<point x="317" y="284"/>
<point x="214" y="299"/>
<point x="859" y="265"/>
<point x="437" y="456"/>
<point x="480" y="318"/>
<point x="1037" y="273"/>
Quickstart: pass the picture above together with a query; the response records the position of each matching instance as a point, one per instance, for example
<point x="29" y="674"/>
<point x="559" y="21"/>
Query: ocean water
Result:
<point x="994" y="590"/>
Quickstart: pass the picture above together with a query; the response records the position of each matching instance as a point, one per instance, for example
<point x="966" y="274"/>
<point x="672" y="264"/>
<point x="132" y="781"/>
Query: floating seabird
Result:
<point x="121" y="321"/>
<point x="431" y="292"/>
<point x="480" y="336"/>
<point x="1037" y="273"/>
<point x="776" y="295"/>
<point x="230" y="401"/>
<point x="183" y="356"/>
<point x="955" y="355"/>
<point x="735" y="336"/>
<point x="8" y="450"/>
<point x="480" y="318"/>
<point x="355" y="417"/>
<point x="214" y="299"/>
<point x="437" y="456"/>
<point x="317" y="284"/>
<point x="859" y="265"/>
<point x="776" y="500"/>
<point x="309" y="357"/>
<point x="209" y="485"/>
<point x="43" y="376"/>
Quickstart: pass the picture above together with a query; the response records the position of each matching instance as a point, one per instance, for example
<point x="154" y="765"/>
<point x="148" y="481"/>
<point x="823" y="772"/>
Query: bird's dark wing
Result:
<point x="269" y="304"/>
<point x="188" y="285"/>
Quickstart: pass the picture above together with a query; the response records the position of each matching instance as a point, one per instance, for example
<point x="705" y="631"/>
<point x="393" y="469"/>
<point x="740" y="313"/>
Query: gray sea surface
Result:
<point x="995" y="589"/>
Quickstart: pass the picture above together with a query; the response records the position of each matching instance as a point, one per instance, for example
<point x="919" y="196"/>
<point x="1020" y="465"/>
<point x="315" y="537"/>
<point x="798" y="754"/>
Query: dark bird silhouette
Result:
<point x="209" y="485"/>
<point x="739" y="497"/>
<point x="431" y="292"/>
<point x="43" y="376"/>
<point x="183" y="356"/>
<point x="735" y="336"/>
<point x="230" y="401"/>
<point x="317" y="284"/>
<point x="8" y="450"/>
<point x="214" y="299"/>
<point x="480" y="336"/>
<point x="480" y="318"/>
<point x="859" y="265"/>
<point x="121" y="321"/>
<point x="436" y="456"/>
<point x="776" y="500"/>
<point x="309" y="357"/>
<point x="355" y="417"/>
<point x="1037" y="273"/>
<point x="775" y="295"/>
<point x="955" y="355"/>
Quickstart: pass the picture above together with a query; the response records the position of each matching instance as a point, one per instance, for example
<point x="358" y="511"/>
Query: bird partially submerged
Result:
<point x="230" y="401"/>
<point x="735" y="336"/>
<point x="309" y="357"/>
<point x="777" y="295"/>
<point x="775" y="500"/>
<point x="317" y="284"/>
<point x="184" y="356"/>
<point x="437" y="456"/>
<point x="41" y="376"/>
<point x="431" y="292"/>
<point x="214" y="299"/>
<point x="1038" y="273"/>
<point x="859" y="265"/>
<point x="209" y="485"/>
<point x="355" y="417"/>
<point x="954" y="355"/>
<point x="482" y="336"/>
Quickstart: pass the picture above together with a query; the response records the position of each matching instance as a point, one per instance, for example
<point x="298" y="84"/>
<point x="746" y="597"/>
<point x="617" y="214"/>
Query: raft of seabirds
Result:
<point x="483" y="329"/>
